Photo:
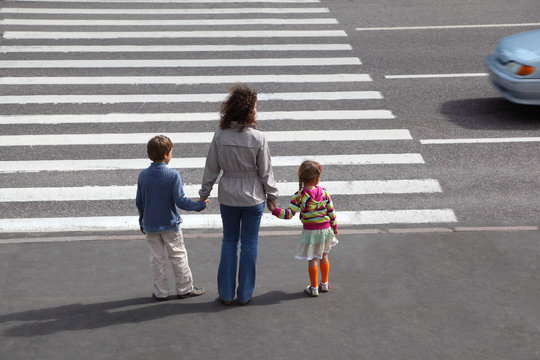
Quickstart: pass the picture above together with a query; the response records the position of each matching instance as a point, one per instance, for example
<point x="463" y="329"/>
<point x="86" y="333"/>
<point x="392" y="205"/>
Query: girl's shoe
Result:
<point x="324" y="287"/>
<point x="312" y="291"/>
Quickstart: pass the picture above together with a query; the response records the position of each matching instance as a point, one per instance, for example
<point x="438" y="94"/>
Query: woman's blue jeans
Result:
<point x="239" y="224"/>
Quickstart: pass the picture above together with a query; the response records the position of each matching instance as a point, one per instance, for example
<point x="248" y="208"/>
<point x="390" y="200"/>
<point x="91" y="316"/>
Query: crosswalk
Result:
<point x="85" y="84"/>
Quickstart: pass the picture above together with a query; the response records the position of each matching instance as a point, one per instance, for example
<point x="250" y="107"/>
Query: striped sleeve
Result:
<point x="288" y="213"/>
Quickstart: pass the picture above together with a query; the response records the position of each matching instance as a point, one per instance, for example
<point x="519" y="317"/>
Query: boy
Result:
<point x="159" y="193"/>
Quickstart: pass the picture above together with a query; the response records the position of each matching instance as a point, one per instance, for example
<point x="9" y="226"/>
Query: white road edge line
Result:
<point x="435" y="76"/>
<point x="479" y="140"/>
<point x="443" y="27"/>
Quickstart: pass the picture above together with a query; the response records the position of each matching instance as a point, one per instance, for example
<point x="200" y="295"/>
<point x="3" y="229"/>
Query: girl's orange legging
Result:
<point x="313" y="270"/>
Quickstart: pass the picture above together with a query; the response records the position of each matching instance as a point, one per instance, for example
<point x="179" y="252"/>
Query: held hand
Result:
<point x="271" y="205"/>
<point x="205" y="201"/>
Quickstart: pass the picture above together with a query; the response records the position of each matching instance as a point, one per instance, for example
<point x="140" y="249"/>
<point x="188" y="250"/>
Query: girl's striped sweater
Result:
<point x="316" y="209"/>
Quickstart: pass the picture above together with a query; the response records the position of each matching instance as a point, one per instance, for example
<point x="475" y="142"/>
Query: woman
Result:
<point x="247" y="182"/>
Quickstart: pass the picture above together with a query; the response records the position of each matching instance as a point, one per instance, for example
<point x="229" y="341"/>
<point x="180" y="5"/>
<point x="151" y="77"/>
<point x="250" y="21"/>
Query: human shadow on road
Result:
<point x="75" y="317"/>
<point x="492" y="114"/>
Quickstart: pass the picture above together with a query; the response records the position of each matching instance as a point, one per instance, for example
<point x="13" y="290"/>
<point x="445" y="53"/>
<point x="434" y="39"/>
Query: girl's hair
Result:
<point x="158" y="147"/>
<point x="239" y="106"/>
<point x="308" y="172"/>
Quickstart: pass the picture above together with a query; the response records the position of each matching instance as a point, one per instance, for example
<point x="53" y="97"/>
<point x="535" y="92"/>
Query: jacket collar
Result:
<point x="238" y="125"/>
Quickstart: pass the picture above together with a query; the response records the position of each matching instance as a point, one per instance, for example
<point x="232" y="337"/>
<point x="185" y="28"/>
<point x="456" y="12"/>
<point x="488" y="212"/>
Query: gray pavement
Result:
<point x="455" y="295"/>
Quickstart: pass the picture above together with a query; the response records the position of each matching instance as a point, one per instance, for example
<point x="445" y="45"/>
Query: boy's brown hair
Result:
<point x="158" y="147"/>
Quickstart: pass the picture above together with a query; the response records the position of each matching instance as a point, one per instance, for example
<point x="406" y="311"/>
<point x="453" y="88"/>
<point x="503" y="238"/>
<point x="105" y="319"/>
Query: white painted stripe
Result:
<point x="180" y="98"/>
<point x="163" y="11"/>
<point x="323" y="115"/>
<point x="173" y="48"/>
<point x="335" y="95"/>
<point x="170" y="34"/>
<point x="7" y="167"/>
<point x="156" y="63"/>
<point x="176" y="1"/>
<point x="213" y="221"/>
<point x="183" y="80"/>
<point x="191" y="117"/>
<point x="96" y="193"/>
<point x="435" y="76"/>
<point x="445" y="27"/>
<point x="201" y="137"/>
<point x="167" y="22"/>
<point x="480" y="140"/>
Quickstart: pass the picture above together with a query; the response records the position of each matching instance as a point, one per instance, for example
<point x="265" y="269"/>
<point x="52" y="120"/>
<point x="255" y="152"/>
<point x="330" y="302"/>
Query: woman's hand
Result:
<point x="270" y="204"/>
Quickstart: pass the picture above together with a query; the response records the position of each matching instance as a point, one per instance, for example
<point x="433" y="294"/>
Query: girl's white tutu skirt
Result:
<point x="314" y="243"/>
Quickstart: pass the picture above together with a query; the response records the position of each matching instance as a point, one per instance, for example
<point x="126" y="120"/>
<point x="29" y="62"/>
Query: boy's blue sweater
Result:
<point x="159" y="195"/>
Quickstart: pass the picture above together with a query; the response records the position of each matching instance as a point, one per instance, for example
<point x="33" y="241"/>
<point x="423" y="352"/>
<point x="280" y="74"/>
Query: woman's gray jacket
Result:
<point x="244" y="157"/>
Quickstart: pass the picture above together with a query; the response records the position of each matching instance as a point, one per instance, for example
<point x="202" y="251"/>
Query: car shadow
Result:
<point x="75" y="317"/>
<point x="492" y="114"/>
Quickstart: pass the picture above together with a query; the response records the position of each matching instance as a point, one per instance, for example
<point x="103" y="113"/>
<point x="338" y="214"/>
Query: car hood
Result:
<point x="523" y="47"/>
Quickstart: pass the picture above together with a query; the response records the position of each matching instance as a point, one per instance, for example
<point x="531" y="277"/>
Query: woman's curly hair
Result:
<point x="238" y="107"/>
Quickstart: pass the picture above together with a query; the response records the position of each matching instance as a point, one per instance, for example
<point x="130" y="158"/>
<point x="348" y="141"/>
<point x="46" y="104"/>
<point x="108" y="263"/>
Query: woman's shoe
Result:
<point x="245" y="303"/>
<point x="224" y="302"/>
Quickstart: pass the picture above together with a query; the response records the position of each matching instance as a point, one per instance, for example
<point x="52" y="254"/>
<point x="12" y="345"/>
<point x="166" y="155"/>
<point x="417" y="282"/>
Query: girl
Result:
<point x="319" y="220"/>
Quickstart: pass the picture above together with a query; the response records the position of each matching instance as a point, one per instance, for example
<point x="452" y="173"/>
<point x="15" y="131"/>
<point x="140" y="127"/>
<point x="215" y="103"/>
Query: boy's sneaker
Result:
<point x="159" y="298"/>
<point x="194" y="292"/>
<point x="311" y="291"/>
<point x="324" y="287"/>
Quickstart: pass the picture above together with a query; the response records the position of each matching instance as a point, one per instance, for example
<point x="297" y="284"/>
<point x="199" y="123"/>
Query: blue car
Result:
<point x="514" y="67"/>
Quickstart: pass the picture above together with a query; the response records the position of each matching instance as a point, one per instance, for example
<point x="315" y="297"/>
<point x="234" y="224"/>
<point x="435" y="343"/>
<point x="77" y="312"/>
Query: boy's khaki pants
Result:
<point x="174" y="243"/>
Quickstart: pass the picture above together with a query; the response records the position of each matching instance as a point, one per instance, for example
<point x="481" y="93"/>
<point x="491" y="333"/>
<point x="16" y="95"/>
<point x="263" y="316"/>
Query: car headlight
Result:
<point x="519" y="69"/>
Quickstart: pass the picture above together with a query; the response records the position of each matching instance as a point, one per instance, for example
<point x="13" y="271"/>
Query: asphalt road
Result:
<point x="405" y="290"/>
<point x="457" y="295"/>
